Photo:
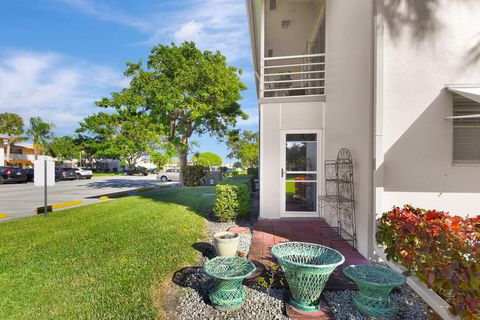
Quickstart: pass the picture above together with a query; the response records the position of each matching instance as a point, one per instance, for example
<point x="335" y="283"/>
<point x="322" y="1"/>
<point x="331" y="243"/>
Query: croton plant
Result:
<point x="440" y="249"/>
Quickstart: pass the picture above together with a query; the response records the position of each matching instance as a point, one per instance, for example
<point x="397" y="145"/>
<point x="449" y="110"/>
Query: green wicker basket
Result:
<point x="375" y="283"/>
<point x="228" y="273"/>
<point x="307" y="267"/>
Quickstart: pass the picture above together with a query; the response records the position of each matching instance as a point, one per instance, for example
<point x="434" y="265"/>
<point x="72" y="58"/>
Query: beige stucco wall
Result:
<point x="349" y="104"/>
<point x="439" y="44"/>
<point x="2" y="156"/>
<point x="275" y="117"/>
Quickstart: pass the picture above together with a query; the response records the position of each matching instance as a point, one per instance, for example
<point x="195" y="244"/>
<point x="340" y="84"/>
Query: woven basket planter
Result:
<point x="228" y="272"/>
<point x="375" y="283"/>
<point x="307" y="267"/>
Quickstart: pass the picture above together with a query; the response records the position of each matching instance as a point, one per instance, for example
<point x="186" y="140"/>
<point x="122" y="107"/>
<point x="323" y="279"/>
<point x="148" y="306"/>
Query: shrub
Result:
<point x="253" y="172"/>
<point x="232" y="198"/>
<point x="194" y="176"/>
<point x="440" y="249"/>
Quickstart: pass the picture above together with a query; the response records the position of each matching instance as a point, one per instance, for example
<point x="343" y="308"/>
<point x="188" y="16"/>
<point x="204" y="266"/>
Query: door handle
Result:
<point x="282" y="172"/>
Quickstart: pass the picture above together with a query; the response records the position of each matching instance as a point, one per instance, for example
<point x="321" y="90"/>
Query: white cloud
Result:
<point x="212" y="24"/>
<point x="55" y="87"/>
<point x="191" y="30"/>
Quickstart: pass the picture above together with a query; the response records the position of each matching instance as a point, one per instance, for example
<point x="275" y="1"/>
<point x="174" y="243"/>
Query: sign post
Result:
<point x="45" y="212"/>
<point x="44" y="176"/>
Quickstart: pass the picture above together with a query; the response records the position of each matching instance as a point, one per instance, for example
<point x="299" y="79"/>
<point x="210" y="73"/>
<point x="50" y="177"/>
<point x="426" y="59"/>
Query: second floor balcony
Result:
<point x="296" y="75"/>
<point x="289" y="47"/>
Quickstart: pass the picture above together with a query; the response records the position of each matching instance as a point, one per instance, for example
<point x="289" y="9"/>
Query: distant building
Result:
<point x="21" y="154"/>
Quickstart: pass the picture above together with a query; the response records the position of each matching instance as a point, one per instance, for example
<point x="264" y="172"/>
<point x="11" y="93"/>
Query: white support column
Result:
<point x="262" y="51"/>
<point x="378" y="152"/>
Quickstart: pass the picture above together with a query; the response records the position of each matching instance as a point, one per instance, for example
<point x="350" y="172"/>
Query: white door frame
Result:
<point x="300" y="214"/>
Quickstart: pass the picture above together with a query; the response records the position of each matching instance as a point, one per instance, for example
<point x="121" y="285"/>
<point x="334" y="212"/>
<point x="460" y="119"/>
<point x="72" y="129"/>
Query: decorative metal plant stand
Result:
<point x="375" y="283"/>
<point x="307" y="267"/>
<point x="338" y="202"/>
<point x="228" y="273"/>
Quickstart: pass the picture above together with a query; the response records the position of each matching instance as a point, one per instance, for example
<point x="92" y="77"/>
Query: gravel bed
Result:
<point x="192" y="303"/>
<point x="410" y="305"/>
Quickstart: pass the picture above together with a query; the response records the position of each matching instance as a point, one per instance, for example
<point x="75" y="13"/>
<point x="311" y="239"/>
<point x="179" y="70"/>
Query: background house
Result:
<point x="21" y="154"/>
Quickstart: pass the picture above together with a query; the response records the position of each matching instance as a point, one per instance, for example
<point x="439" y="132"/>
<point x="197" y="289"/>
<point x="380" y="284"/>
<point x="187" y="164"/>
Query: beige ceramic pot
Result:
<point x="226" y="243"/>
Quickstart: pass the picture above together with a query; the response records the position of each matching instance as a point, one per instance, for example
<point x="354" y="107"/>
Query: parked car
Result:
<point x="83" y="173"/>
<point x="65" y="174"/>
<point x="12" y="174"/>
<point x="135" y="171"/>
<point x="169" y="175"/>
<point x="30" y="174"/>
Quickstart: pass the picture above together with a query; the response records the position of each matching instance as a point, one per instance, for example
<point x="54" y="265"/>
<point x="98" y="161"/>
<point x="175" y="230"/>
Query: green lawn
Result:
<point x="106" y="174"/>
<point x="103" y="261"/>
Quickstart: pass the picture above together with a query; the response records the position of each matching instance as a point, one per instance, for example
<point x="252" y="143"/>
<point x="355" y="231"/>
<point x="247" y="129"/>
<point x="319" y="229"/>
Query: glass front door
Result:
<point x="300" y="173"/>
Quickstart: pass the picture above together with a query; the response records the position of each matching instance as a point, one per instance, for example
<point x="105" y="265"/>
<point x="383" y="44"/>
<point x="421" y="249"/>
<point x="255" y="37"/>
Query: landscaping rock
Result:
<point x="410" y="305"/>
<point x="193" y="303"/>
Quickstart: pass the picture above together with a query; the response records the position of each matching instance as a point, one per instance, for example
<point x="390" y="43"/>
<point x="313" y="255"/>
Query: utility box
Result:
<point x="213" y="178"/>
<point x="39" y="172"/>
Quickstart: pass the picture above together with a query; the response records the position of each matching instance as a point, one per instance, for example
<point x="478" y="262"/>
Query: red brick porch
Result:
<point x="267" y="233"/>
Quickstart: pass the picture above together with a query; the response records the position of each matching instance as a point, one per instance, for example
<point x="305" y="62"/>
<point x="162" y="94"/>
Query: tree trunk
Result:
<point x="182" y="161"/>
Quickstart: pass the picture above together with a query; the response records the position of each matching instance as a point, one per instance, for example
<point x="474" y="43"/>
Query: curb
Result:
<point x="122" y="194"/>
<point x="50" y="208"/>
<point x="3" y="215"/>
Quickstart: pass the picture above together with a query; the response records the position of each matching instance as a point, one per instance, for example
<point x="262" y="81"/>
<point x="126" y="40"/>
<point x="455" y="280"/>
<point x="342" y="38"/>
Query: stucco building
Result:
<point x="395" y="82"/>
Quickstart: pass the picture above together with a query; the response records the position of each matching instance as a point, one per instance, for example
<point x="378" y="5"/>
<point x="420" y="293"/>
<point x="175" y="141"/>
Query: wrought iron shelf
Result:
<point x="338" y="180"/>
<point x="334" y="198"/>
<point x="339" y="198"/>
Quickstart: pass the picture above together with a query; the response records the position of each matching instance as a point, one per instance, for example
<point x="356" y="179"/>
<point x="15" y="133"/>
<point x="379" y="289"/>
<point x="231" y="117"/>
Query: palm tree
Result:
<point x="41" y="133"/>
<point x="11" y="125"/>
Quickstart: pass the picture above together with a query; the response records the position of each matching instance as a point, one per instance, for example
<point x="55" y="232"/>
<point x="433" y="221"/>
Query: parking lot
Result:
<point x="21" y="200"/>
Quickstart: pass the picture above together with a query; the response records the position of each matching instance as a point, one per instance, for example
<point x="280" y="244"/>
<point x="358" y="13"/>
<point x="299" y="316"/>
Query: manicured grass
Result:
<point x="104" y="261"/>
<point x="106" y="174"/>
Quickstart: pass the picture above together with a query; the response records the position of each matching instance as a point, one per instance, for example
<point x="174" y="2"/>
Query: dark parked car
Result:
<point x="65" y="174"/>
<point x="135" y="171"/>
<point x="30" y="174"/>
<point x="12" y="174"/>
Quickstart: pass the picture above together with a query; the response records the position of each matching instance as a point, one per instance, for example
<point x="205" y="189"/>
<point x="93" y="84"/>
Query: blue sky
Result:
<point x="59" y="56"/>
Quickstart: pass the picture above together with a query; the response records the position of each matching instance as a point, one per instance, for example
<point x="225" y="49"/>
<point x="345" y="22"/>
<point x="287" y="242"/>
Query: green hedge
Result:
<point x="232" y="198"/>
<point x="194" y="176"/>
<point x="253" y="172"/>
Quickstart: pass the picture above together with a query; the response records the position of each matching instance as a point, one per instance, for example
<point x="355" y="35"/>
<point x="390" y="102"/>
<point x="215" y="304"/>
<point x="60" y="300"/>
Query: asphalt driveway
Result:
<point x="21" y="200"/>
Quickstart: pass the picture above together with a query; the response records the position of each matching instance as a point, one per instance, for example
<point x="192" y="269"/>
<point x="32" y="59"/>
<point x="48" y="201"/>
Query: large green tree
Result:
<point x="11" y="125"/>
<point x="41" y="134"/>
<point x="184" y="90"/>
<point x="207" y="159"/>
<point x="64" y="148"/>
<point x="123" y="135"/>
<point x="244" y="146"/>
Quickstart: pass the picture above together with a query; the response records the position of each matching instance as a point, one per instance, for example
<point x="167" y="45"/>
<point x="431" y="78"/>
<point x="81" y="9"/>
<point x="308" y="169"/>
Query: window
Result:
<point x="466" y="130"/>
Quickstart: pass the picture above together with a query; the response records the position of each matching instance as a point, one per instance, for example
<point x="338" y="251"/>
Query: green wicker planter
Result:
<point x="375" y="283"/>
<point x="307" y="267"/>
<point x="228" y="273"/>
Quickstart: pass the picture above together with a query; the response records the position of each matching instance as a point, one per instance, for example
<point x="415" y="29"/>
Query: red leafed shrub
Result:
<point x="440" y="249"/>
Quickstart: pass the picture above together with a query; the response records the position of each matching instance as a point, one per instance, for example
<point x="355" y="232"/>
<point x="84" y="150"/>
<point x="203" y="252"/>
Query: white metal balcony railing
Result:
<point x="289" y="76"/>
<point x="26" y="157"/>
